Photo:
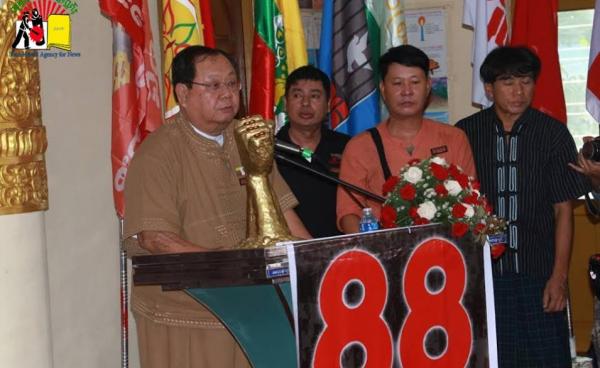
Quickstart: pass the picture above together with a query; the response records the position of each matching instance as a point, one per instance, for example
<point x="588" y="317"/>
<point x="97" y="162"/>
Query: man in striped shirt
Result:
<point x="522" y="156"/>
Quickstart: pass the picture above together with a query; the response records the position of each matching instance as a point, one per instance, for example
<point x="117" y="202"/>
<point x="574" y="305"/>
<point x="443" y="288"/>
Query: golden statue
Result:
<point x="265" y="222"/>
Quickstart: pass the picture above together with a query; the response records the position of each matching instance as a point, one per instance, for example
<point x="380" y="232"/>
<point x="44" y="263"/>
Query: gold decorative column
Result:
<point x="23" y="181"/>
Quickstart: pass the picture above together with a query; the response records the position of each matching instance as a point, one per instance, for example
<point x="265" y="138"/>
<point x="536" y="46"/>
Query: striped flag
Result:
<point x="278" y="49"/>
<point x="592" y="95"/>
<point x="490" y="26"/>
<point x="535" y="25"/>
<point x="136" y="109"/>
<point x="349" y="36"/>
<point x="184" y="23"/>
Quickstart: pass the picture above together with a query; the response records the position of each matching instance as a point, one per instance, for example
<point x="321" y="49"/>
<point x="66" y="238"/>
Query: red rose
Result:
<point x="459" y="229"/>
<point x="408" y="192"/>
<point x="471" y="199"/>
<point x="388" y="217"/>
<point x="487" y="206"/>
<point x="458" y="210"/>
<point x="475" y="184"/>
<point x="454" y="170"/>
<point x="414" y="161"/>
<point x="439" y="172"/>
<point x="463" y="180"/>
<point x="478" y="228"/>
<point x="390" y="184"/>
<point x="497" y="250"/>
<point x="412" y="212"/>
<point x="441" y="190"/>
<point x="421" y="221"/>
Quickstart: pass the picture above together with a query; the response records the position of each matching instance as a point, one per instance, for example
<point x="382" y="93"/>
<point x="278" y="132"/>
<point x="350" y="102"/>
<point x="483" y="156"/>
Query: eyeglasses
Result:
<point x="214" y="87"/>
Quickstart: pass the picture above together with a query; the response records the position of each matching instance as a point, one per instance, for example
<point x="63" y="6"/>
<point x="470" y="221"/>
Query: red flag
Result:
<point x="208" y="30"/>
<point x="535" y="25"/>
<point x="136" y="107"/>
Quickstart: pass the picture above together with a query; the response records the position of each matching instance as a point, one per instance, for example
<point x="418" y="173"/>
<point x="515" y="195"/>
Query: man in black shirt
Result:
<point x="307" y="103"/>
<point x="522" y="157"/>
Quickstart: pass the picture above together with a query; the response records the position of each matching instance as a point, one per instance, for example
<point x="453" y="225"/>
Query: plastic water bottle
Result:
<point x="368" y="222"/>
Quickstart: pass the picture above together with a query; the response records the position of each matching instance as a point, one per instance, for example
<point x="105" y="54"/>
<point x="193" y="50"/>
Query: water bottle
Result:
<point x="368" y="222"/>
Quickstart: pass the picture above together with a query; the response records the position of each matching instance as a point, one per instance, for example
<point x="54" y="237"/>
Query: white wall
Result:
<point x="81" y="225"/>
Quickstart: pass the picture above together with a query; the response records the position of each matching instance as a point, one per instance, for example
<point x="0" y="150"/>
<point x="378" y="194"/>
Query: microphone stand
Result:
<point x="341" y="182"/>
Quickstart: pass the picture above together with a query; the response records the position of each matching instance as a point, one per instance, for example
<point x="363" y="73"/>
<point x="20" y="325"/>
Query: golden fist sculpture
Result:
<point x="265" y="225"/>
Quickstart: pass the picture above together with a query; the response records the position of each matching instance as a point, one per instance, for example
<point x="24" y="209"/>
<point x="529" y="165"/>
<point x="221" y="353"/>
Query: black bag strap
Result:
<point x="379" y="145"/>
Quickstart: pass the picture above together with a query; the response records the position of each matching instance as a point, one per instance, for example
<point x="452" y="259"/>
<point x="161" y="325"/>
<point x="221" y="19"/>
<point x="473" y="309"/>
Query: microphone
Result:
<point x="294" y="149"/>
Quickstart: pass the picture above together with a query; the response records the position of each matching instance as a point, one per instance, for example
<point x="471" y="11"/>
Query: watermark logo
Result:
<point x="43" y="24"/>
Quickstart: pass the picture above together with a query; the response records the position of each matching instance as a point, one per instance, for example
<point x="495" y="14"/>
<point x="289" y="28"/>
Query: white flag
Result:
<point x="488" y="20"/>
<point x="592" y="94"/>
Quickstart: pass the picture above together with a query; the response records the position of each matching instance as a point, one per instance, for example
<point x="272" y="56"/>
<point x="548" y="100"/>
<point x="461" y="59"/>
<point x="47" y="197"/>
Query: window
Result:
<point x="574" y="33"/>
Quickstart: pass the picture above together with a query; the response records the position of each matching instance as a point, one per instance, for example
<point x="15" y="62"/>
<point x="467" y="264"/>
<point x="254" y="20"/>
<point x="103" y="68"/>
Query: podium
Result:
<point x="411" y="297"/>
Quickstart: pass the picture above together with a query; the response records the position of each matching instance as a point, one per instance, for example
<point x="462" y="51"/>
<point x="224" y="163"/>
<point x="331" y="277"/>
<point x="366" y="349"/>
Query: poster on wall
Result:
<point x="426" y="29"/>
<point x="397" y="298"/>
<point x="311" y="21"/>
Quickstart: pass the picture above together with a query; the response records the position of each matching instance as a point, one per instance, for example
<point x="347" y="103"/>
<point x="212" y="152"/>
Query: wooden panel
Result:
<point x="229" y="36"/>
<point x="586" y="241"/>
<point x="575" y="4"/>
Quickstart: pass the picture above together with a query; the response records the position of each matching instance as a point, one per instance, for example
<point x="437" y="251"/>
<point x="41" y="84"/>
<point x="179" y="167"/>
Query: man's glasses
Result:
<point x="214" y="87"/>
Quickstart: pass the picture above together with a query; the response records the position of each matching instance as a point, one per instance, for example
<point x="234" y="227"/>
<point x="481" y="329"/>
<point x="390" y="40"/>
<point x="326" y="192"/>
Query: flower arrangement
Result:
<point x="431" y="191"/>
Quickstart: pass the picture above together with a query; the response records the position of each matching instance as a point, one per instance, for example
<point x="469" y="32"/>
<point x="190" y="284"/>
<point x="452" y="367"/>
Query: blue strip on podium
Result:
<point x="256" y="317"/>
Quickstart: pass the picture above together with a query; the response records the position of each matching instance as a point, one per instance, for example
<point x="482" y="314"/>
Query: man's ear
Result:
<point x="181" y="91"/>
<point x="489" y="91"/>
<point x="381" y="90"/>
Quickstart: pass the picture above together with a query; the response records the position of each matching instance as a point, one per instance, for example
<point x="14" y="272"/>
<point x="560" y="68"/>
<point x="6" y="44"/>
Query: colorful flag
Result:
<point x="389" y="15"/>
<point x="490" y="26"/>
<point x="184" y="23"/>
<point x="535" y="25"/>
<point x="136" y="107"/>
<point x="592" y="95"/>
<point x="349" y="32"/>
<point x="276" y="52"/>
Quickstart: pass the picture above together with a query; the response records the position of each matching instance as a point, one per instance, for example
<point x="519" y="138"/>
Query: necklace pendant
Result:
<point x="410" y="149"/>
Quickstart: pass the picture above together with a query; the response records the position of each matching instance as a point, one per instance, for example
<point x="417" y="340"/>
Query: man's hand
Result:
<point x="555" y="294"/>
<point x="587" y="167"/>
<point x="255" y="141"/>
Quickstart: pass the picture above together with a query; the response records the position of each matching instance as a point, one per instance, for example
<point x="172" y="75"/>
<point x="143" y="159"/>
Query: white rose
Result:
<point x="453" y="187"/>
<point x="429" y="192"/>
<point x="470" y="210"/>
<point x="439" y="160"/>
<point x="427" y="210"/>
<point x="413" y="175"/>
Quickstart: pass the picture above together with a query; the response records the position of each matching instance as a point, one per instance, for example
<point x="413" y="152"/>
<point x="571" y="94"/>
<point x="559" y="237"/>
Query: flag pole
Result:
<point x="124" y="299"/>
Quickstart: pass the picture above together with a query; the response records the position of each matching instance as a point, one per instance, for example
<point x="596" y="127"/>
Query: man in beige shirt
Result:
<point x="185" y="193"/>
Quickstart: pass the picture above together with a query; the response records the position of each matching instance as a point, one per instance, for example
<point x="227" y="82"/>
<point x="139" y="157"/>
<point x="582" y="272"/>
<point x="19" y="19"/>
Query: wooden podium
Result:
<point x="402" y="297"/>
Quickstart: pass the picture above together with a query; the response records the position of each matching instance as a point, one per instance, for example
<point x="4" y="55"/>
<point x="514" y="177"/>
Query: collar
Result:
<point x="219" y="139"/>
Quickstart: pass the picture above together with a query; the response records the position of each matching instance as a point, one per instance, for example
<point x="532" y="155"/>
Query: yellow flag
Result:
<point x="180" y="28"/>
<point x="295" y="43"/>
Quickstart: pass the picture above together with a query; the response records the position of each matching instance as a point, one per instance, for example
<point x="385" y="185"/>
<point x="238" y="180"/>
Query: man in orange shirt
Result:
<point x="404" y="136"/>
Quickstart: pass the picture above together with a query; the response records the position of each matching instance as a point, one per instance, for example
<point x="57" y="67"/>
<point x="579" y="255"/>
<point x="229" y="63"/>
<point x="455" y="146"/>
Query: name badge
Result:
<point x="241" y="175"/>
<point x="439" y="150"/>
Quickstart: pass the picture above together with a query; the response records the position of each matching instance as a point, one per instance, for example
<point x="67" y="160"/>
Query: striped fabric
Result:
<point x="523" y="175"/>
<point x="528" y="336"/>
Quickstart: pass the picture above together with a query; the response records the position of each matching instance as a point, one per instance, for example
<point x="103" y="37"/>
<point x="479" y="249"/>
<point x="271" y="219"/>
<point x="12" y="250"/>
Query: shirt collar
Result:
<point x="216" y="138"/>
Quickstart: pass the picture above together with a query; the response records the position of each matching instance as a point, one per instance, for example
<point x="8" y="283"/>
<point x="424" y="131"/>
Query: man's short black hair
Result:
<point x="308" y="72"/>
<point x="183" y="68"/>
<point x="406" y="55"/>
<point x="510" y="61"/>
